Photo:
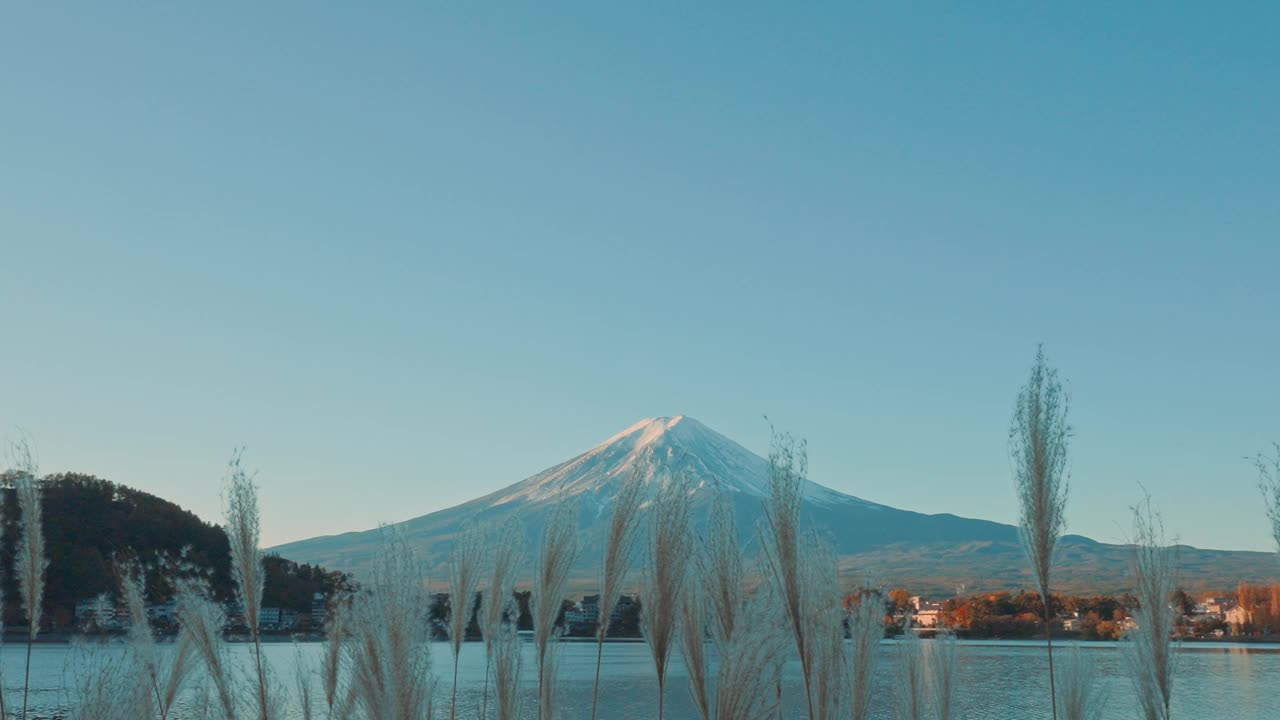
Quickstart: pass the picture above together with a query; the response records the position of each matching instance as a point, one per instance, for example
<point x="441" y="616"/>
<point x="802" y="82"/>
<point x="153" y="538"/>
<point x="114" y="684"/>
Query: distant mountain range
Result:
<point x="931" y="554"/>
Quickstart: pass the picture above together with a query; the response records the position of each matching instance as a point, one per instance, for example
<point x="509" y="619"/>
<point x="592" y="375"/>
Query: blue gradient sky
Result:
<point x="408" y="255"/>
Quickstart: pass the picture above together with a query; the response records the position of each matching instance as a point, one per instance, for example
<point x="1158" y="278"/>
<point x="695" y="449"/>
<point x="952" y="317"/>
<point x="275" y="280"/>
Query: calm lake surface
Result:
<point x="997" y="680"/>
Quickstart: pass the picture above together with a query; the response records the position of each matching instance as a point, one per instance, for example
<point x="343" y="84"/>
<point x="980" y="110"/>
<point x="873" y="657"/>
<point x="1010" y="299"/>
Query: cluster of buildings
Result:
<point x="925" y="614"/>
<point x="96" y="615"/>
<point x="586" y="612"/>
<point x="1222" y="614"/>
<point x="1214" y="609"/>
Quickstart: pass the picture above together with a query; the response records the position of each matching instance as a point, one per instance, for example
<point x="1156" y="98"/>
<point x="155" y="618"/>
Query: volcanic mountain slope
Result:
<point x="927" y="553"/>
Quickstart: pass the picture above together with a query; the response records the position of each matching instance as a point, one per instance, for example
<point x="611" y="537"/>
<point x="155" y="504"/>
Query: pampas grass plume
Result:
<point x="670" y="550"/>
<point x="558" y="552"/>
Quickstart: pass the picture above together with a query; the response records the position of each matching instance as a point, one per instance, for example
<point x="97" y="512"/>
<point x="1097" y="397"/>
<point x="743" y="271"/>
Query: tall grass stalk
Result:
<point x="720" y="570"/>
<point x="464" y="576"/>
<point x="389" y="645"/>
<point x="911" y="693"/>
<point x="693" y="647"/>
<point x="1080" y="698"/>
<point x="751" y="664"/>
<point x="825" y="632"/>
<point x="3" y="712"/>
<point x="302" y="683"/>
<point x="244" y="529"/>
<point x="619" y="548"/>
<point x="506" y="652"/>
<point x="29" y="558"/>
<point x="558" y="552"/>
<point x="1150" y="646"/>
<point x="866" y="629"/>
<point x="788" y="467"/>
<point x="335" y="631"/>
<point x="670" y="551"/>
<point x="161" y="677"/>
<point x="205" y="620"/>
<point x="1038" y="439"/>
<point x="1269" y="484"/>
<point x="942" y="674"/>
<point x="104" y="687"/>
<point x="508" y="550"/>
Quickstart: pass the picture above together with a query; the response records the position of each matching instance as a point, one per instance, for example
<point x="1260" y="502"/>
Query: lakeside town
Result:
<point x="1250" y="613"/>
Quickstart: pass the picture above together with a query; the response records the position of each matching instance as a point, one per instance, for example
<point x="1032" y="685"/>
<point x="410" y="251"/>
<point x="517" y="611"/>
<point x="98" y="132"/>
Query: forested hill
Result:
<point x="90" y="523"/>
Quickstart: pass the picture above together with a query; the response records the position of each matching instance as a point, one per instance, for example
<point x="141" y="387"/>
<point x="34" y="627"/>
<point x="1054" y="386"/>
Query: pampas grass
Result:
<point x="497" y="601"/>
<point x="243" y="528"/>
<point x="558" y="553"/>
<point x="1080" y="698"/>
<point x="1038" y="440"/>
<point x="942" y="674"/>
<point x="302" y="683"/>
<point x="1269" y="484"/>
<point x="162" y="678"/>
<point x="693" y="647"/>
<point x="788" y="468"/>
<point x="910" y="691"/>
<point x="751" y="664"/>
<point x="670" y="550"/>
<point x="1149" y="648"/>
<point x="866" y="630"/>
<point x="619" y="548"/>
<point x="824" y="633"/>
<point x="331" y="662"/>
<point x="506" y="652"/>
<point x="464" y="577"/>
<point x="390" y="659"/>
<point x="104" y="687"/>
<point x="720" y="569"/>
<point x="30" y="561"/>
<point x="204" y="620"/>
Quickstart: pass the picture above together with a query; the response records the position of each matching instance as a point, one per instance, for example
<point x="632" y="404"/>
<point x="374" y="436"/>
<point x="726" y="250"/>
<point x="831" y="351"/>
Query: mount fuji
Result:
<point x="927" y="553"/>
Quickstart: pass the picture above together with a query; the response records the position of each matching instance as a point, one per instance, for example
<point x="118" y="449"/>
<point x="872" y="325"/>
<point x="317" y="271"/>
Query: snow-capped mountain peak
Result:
<point x="653" y="447"/>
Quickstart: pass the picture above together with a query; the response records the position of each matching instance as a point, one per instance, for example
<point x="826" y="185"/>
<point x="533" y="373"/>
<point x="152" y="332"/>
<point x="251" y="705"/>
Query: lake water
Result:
<point x="998" y="680"/>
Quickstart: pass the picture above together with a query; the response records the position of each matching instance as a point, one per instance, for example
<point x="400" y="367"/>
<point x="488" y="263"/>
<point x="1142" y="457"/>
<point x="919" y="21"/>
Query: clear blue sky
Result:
<point x="408" y="255"/>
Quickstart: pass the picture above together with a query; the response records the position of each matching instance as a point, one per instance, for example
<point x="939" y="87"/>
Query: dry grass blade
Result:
<point x="104" y="687"/>
<point x="824" y="632"/>
<point x="302" y="684"/>
<point x="670" y="550"/>
<point x="244" y="530"/>
<point x="497" y="602"/>
<point x="204" y="620"/>
<point x="788" y="468"/>
<point x="558" y="553"/>
<point x="751" y="666"/>
<point x="866" y="630"/>
<point x="942" y="673"/>
<point x="161" y="681"/>
<point x="389" y="648"/>
<point x="1269" y="484"/>
<point x="1038" y="440"/>
<point x="1150" y="648"/>
<point x="30" y="561"/>
<point x="720" y="567"/>
<point x="506" y="651"/>
<point x="331" y="662"/>
<point x="910" y="690"/>
<point x="618" y="552"/>
<point x="693" y="647"/>
<point x="464" y="577"/>
<point x="1079" y="696"/>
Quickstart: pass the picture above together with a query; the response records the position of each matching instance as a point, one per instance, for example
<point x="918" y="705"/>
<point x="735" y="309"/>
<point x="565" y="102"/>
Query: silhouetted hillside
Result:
<point x="89" y="523"/>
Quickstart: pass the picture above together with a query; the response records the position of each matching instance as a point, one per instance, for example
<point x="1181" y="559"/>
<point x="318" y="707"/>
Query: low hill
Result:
<point x="88" y="523"/>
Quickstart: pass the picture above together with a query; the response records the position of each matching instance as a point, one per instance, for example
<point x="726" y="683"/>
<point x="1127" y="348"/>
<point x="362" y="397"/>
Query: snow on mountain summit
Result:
<point x="654" y="447"/>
